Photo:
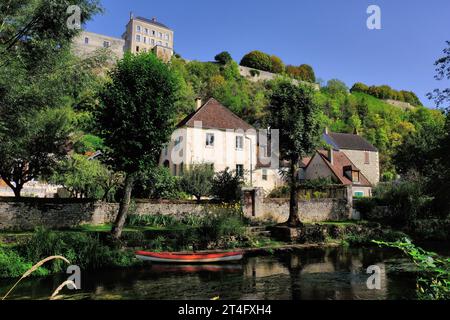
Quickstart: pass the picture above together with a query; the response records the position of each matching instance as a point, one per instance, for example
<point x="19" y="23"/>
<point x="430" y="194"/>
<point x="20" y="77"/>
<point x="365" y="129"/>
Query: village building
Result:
<point x="141" y="35"/>
<point x="214" y="135"/>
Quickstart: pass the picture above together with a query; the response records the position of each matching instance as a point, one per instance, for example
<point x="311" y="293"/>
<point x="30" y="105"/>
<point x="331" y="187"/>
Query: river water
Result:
<point x="313" y="273"/>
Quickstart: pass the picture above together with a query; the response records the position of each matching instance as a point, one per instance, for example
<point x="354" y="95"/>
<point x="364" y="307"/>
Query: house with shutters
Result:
<point x="351" y="160"/>
<point x="214" y="135"/>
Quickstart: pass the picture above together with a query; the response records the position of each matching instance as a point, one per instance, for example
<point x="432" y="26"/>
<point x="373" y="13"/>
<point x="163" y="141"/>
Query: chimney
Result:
<point x="331" y="155"/>
<point x="154" y="19"/>
<point x="131" y="15"/>
<point x="198" y="103"/>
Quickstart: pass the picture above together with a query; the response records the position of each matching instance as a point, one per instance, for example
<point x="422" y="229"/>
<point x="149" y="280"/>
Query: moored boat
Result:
<point x="198" y="257"/>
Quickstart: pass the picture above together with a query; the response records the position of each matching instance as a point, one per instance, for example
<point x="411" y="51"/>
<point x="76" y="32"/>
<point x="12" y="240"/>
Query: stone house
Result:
<point x="141" y="35"/>
<point x="351" y="161"/>
<point x="214" y="135"/>
<point x="359" y="151"/>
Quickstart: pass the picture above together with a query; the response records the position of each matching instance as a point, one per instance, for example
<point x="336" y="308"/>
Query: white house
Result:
<point x="215" y="135"/>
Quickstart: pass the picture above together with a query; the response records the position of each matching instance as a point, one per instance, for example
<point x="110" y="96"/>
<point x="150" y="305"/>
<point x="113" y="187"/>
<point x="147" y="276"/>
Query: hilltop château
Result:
<point x="141" y="35"/>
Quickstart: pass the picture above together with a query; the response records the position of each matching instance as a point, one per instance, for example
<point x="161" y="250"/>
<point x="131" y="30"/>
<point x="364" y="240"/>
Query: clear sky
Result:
<point x="330" y="35"/>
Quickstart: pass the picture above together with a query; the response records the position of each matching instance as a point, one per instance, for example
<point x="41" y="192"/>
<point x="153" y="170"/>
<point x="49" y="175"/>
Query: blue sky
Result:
<point x="329" y="35"/>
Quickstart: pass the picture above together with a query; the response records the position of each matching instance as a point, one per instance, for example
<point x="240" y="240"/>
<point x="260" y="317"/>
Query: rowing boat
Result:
<point x="173" y="257"/>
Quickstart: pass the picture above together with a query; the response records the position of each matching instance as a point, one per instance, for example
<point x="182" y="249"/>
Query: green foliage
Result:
<point x="223" y="57"/>
<point x="137" y="111"/>
<point x="226" y="186"/>
<point x="158" y="183"/>
<point x="386" y="92"/>
<point x="88" y="143"/>
<point x="442" y="72"/>
<point x="434" y="280"/>
<point x="280" y="192"/>
<point x="294" y="111"/>
<point x="335" y="87"/>
<point x="197" y="180"/>
<point x="406" y="201"/>
<point x="156" y="220"/>
<point x="303" y="72"/>
<point x="32" y="146"/>
<point x="277" y="65"/>
<point x="86" y="178"/>
<point x="257" y="60"/>
<point x="82" y="249"/>
<point x="12" y="265"/>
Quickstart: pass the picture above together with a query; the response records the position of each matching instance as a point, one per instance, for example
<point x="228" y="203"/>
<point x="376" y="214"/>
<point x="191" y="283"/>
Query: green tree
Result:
<point x="158" y="183"/>
<point x="136" y="118"/>
<point x="277" y="65"/>
<point x="294" y="112"/>
<point x="257" y="60"/>
<point x="223" y="57"/>
<point x="226" y="186"/>
<point x="197" y="180"/>
<point x="303" y="72"/>
<point x="39" y="81"/>
<point x="33" y="146"/>
<point x="359" y="87"/>
<point x="86" y="178"/>
<point x="335" y="87"/>
<point x="442" y="96"/>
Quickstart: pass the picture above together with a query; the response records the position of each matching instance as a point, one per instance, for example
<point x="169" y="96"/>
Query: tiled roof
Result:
<point x="340" y="160"/>
<point x="154" y="22"/>
<point x="214" y="115"/>
<point x="349" y="141"/>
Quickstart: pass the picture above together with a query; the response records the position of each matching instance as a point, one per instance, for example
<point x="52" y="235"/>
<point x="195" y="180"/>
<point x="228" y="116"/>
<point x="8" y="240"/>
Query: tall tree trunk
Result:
<point x="123" y="207"/>
<point x="17" y="190"/>
<point x="294" y="220"/>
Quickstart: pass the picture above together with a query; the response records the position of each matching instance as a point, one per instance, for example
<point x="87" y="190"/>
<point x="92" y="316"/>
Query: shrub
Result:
<point x="223" y="57"/>
<point x="158" y="183"/>
<point x="197" y="180"/>
<point x="154" y="220"/>
<point x="12" y="265"/>
<point x="226" y="186"/>
<point x="303" y="72"/>
<point x="82" y="249"/>
<point x="280" y="192"/>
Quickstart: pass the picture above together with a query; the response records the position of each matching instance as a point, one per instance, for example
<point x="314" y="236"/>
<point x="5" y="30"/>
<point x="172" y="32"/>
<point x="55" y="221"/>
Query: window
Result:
<point x="167" y="44"/>
<point x="137" y="48"/>
<point x="178" y="141"/>
<point x="174" y="169"/>
<point x="153" y="32"/>
<point x="86" y="40"/>
<point x="181" y="169"/>
<point x="138" y="28"/>
<point x="106" y="44"/>
<point x="264" y="174"/>
<point x="160" y="35"/>
<point x="239" y="142"/>
<point x="145" y="39"/>
<point x="366" y="157"/>
<point x="146" y="30"/>
<point x="359" y="194"/>
<point x="210" y="139"/>
<point x="138" y="38"/>
<point x="240" y="170"/>
<point x="153" y="41"/>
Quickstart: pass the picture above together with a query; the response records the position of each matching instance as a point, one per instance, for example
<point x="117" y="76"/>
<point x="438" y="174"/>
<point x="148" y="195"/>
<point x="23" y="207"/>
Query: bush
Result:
<point x="280" y="192"/>
<point x="82" y="249"/>
<point x="155" y="220"/>
<point x="262" y="61"/>
<point x="226" y="186"/>
<point x="303" y="72"/>
<point x="223" y="57"/>
<point x="197" y="180"/>
<point x="12" y="265"/>
<point x="158" y="183"/>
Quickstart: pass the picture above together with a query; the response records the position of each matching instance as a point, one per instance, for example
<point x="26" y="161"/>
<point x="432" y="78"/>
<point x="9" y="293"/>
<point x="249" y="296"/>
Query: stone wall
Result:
<point x="63" y="213"/>
<point x="68" y="213"/>
<point x="315" y="210"/>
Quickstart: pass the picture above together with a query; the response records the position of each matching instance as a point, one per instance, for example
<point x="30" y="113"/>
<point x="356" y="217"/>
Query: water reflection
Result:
<point x="331" y="273"/>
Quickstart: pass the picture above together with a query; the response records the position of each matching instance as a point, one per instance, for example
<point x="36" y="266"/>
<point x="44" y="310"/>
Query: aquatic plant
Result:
<point x="434" y="280"/>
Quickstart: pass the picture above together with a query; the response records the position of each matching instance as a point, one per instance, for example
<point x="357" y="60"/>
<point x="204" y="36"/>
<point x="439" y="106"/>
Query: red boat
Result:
<point x="172" y="257"/>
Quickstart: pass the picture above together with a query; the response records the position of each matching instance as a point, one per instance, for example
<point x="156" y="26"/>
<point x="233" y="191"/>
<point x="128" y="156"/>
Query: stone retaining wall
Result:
<point x="309" y="211"/>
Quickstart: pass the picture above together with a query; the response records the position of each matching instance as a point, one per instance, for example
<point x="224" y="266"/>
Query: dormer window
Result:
<point x="352" y="173"/>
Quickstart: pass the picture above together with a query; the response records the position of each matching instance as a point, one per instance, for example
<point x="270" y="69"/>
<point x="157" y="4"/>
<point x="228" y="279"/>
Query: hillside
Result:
<point x="383" y="124"/>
